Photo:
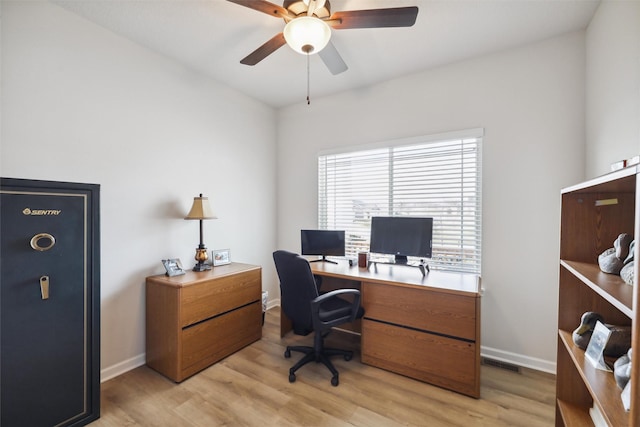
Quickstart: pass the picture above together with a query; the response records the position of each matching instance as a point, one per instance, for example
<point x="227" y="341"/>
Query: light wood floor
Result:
<point x="251" y="388"/>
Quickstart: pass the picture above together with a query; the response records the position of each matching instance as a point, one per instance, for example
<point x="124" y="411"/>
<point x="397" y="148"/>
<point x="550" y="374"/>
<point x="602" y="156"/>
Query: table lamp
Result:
<point x="201" y="210"/>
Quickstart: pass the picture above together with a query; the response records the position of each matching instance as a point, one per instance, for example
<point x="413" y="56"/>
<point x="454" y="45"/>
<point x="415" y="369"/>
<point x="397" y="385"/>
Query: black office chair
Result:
<point x="310" y="311"/>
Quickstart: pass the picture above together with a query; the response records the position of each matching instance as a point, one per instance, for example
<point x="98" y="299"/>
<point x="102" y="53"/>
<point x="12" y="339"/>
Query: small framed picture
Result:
<point x="597" y="343"/>
<point x="173" y="266"/>
<point x="221" y="257"/>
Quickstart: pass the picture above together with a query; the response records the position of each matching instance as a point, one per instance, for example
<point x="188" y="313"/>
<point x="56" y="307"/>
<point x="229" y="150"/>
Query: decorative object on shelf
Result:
<point x="613" y="259"/>
<point x="621" y="164"/>
<point x="595" y="350"/>
<point x="609" y="262"/>
<point x="628" y="272"/>
<point x="626" y="397"/>
<point x="582" y="334"/>
<point x="201" y="210"/>
<point x="173" y="267"/>
<point x="622" y="245"/>
<point x="618" y="343"/>
<point x="221" y="257"/>
<point x="622" y="369"/>
<point x="597" y="417"/>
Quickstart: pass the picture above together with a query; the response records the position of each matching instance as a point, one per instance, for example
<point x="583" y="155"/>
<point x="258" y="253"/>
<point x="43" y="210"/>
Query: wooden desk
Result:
<point x="199" y="318"/>
<point x="427" y="328"/>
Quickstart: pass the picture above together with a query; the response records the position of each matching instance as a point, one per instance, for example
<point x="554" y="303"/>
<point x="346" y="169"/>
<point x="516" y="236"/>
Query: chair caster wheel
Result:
<point x="292" y="377"/>
<point x="334" y="381"/>
<point x="348" y="357"/>
<point x="287" y="354"/>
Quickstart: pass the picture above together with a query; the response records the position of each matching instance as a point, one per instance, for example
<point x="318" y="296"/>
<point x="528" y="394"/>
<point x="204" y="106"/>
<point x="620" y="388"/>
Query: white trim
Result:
<point x="444" y="136"/>
<point x="120" y="368"/>
<point x="519" y="359"/>
<point x="273" y="303"/>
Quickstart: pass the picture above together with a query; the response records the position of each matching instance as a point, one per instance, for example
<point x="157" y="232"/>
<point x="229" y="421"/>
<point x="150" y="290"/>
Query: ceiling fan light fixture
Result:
<point x="307" y="35"/>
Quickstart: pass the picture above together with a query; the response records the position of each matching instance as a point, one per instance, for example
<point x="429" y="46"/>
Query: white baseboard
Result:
<point x="519" y="359"/>
<point x="273" y="303"/>
<point x="120" y="368"/>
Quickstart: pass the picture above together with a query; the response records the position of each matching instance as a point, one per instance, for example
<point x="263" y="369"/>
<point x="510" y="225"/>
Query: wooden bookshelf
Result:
<point x="594" y="213"/>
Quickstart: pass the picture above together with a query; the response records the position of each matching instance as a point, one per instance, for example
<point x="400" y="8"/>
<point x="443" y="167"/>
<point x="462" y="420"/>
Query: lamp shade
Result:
<point x="201" y="209"/>
<point x="307" y="34"/>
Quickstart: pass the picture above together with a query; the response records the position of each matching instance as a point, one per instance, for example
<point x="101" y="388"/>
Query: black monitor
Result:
<point x="401" y="236"/>
<point x="322" y="242"/>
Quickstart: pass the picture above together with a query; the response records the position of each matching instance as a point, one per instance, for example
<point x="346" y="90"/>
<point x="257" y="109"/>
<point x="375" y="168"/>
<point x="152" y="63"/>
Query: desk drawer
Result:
<point x="442" y="313"/>
<point x="212" y="297"/>
<point x="438" y="360"/>
<point x="215" y="339"/>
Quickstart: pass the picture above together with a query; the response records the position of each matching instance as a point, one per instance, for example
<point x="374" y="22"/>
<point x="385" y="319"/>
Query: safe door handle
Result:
<point x="44" y="287"/>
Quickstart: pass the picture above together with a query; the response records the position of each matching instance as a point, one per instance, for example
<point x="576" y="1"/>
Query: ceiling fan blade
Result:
<point x="265" y="50"/>
<point x="374" y="18"/>
<point x="332" y="59"/>
<point x="264" y="7"/>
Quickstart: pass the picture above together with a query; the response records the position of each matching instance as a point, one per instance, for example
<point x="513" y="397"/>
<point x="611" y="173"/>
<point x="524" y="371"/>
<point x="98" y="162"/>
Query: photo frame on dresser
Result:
<point x="173" y="267"/>
<point x="221" y="257"/>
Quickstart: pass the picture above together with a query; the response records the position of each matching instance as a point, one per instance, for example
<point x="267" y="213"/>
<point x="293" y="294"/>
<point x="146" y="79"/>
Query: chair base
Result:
<point x="310" y="355"/>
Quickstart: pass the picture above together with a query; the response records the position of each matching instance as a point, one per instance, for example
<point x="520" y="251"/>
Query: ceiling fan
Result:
<point x="308" y="27"/>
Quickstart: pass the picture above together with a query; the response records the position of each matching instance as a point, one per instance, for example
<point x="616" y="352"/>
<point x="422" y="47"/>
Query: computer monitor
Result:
<point x="401" y="236"/>
<point x="322" y="242"/>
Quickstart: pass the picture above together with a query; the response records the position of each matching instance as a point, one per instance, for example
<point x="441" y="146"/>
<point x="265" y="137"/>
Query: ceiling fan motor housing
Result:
<point x="298" y="7"/>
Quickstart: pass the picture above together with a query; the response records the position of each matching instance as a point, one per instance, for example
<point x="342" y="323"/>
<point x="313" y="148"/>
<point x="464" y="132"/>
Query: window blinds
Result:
<point x="434" y="177"/>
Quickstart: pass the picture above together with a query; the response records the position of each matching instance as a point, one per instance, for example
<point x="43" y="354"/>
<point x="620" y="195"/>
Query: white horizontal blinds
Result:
<point x="439" y="179"/>
<point x="355" y="188"/>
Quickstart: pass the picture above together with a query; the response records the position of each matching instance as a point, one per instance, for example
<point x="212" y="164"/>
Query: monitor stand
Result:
<point x="402" y="260"/>
<point x="324" y="259"/>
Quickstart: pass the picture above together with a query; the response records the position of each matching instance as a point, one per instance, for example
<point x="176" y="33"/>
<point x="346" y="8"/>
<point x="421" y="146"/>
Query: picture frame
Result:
<point x="595" y="350"/>
<point x="221" y="257"/>
<point x="173" y="267"/>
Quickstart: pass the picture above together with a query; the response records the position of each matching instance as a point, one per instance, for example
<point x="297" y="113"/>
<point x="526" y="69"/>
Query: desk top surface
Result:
<point x="401" y="275"/>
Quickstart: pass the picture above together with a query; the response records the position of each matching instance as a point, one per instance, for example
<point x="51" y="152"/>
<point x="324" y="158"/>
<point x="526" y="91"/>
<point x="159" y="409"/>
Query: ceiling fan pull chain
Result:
<point x="308" y="78"/>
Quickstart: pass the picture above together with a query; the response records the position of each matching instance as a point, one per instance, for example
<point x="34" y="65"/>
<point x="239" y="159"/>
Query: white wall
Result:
<point x="613" y="85"/>
<point x="81" y="104"/>
<point x="530" y="101"/>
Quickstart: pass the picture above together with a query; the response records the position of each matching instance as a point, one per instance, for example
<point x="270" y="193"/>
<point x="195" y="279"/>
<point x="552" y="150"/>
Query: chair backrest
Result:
<point x="297" y="289"/>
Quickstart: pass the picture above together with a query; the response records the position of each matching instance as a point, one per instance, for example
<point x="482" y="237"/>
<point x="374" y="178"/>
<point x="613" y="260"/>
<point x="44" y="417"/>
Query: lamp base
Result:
<point x="201" y="258"/>
<point x="201" y="266"/>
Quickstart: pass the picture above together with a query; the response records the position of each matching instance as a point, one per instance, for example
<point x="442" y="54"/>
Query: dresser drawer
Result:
<point x="208" y="342"/>
<point x="210" y="298"/>
<point x="438" y="360"/>
<point x="443" y="313"/>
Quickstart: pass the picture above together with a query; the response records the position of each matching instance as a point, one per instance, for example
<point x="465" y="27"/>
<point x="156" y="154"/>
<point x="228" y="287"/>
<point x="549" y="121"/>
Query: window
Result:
<point x="436" y="176"/>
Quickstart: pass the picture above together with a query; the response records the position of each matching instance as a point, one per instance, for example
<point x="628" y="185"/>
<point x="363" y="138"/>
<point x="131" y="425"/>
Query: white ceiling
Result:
<point x="211" y="36"/>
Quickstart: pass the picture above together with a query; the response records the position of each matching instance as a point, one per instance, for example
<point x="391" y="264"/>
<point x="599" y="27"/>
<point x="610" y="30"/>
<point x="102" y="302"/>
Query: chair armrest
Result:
<point x="317" y="302"/>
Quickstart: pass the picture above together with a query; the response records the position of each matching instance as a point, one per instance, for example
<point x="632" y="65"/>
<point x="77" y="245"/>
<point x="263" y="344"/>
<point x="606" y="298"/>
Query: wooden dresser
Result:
<point x="199" y="318"/>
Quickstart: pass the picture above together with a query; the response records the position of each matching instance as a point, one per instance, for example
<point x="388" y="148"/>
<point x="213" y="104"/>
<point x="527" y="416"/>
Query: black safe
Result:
<point x="49" y="303"/>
